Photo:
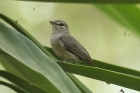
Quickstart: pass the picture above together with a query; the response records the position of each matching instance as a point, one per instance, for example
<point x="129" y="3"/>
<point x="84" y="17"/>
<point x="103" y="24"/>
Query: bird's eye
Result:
<point x="61" y="24"/>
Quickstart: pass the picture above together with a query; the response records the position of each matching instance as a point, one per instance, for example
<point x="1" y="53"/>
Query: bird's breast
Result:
<point x="57" y="46"/>
<point x="60" y="50"/>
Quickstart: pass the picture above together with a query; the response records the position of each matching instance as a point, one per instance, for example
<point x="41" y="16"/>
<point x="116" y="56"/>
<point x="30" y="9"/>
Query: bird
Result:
<point x="66" y="46"/>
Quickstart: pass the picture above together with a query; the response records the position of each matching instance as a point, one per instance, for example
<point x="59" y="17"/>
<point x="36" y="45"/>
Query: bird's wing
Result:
<point x="74" y="47"/>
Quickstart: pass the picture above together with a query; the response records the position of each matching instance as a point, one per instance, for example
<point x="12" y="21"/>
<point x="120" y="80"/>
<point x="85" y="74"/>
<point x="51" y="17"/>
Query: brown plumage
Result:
<point x="66" y="46"/>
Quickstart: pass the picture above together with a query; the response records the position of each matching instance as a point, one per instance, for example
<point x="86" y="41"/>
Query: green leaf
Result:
<point x="25" y="33"/>
<point x="52" y="52"/>
<point x="12" y="87"/>
<point x="17" y="68"/>
<point x="90" y="1"/>
<point x="127" y="15"/>
<point x="80" y="85"/>
<point x="24" y="85"/>
<point x="25" y="51"/>
<point x="116" y="68"/>
<point x="26" y="73"/>
<point x="106" y="72"/>
<point x="125" y="80"/>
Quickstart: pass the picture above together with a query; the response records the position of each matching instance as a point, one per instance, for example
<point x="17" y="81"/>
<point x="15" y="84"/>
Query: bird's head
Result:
<point x="59" y="26"/>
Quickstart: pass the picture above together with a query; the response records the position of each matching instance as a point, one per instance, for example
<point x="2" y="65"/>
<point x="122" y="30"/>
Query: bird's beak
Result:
<point x="52" y="22"/>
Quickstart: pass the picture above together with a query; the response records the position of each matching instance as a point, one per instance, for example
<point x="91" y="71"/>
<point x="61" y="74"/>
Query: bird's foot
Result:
<point x="107" y="83"/>
<point x="72" y="61"/>
<point x="59" y="61"/>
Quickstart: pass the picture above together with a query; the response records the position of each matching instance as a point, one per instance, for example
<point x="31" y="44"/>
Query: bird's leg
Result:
<point x="72" y="61"/>
<point x="69" y="60"/>
<point x="59" y="61"/>
<point x="107" y="83"/>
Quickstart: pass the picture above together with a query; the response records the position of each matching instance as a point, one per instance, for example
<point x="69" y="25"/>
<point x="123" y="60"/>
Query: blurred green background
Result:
<point x="104" y="38"/>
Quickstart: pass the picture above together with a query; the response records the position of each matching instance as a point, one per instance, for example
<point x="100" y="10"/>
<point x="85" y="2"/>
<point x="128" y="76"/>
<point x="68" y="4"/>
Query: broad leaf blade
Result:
<point x="21" y="83"/>
<point x="116" y="68"/>
<point x="12" y="87"/>
<point x="14" y="66"/>
<point x="20" y="70"/>
<point x="25" y="33"/>
<point x="80" y="85"/>
<point x="113" y="77"/>
<point x="22" y="49"/>
<point x="106" y="72"/>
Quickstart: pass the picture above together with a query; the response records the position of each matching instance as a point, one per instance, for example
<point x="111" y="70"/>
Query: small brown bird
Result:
<point x="66" y="46"/>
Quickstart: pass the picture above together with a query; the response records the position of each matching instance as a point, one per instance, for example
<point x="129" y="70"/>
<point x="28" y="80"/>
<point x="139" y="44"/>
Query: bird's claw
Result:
<point x="59" y="61"/>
